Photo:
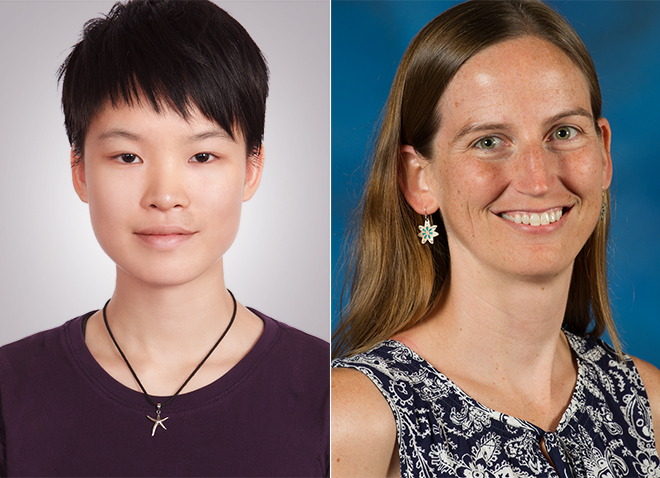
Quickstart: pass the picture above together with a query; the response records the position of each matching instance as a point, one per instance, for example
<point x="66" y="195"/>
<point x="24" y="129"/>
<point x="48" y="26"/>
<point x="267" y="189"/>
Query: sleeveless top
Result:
<point x="606" y="431"/>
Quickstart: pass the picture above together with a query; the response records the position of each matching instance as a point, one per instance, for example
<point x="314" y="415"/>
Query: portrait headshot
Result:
<point x="142" y="331"/>
<point x="493" y="238"/>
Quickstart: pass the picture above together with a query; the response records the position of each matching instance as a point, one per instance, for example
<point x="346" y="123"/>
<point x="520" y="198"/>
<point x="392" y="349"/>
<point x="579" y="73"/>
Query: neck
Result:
<point x="509" y="313"/>
<point x="499" y="339"/>
<point x="165" y="331"/>
<point x="497" y="326"/>
<point x="161" y="319"/>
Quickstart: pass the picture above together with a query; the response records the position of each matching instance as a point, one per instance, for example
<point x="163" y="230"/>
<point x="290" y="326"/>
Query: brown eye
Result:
<point x="202" y="157"/>
<point x="128" y="158"/>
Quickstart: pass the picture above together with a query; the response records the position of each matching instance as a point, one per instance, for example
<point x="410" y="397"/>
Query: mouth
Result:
<point x="164" y="237"/>
<point x="535" y="218"/>
<point x="163" y="231"/>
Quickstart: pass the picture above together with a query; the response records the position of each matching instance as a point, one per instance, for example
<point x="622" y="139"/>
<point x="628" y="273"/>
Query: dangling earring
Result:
<point x="603" y="207"/>
<point x="427" y="231"/>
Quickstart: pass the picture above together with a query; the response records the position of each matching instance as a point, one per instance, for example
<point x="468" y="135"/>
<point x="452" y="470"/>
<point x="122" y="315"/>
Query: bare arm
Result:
<point x="364" y="441"/>
<point x="651" y="378"/>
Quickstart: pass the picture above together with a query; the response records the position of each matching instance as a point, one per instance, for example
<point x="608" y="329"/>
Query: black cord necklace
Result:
<point x="159" y="421"/>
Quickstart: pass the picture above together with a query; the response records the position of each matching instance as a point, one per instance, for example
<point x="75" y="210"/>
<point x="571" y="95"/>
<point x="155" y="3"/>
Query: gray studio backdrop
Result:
<point x="52" y="268"/>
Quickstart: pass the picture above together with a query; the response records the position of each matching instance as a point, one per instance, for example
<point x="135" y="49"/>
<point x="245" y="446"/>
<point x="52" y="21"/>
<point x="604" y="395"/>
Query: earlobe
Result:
<point x="253" y="170"/>
<point x="606" y="143"/>
<point x="414" y="182"/>
<point x="78" y="175"/>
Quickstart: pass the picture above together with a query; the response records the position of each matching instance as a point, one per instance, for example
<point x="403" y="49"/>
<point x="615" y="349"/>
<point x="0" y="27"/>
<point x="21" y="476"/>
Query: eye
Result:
<point x="488" y="143"/>
<point x="564" y="133"/>
<point x="202" y="158"/>
<point x="128" y="158"/>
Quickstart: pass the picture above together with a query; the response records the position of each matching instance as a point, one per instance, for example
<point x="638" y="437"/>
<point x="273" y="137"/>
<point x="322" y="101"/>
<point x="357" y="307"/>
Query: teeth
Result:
<point x="535" y="219"/>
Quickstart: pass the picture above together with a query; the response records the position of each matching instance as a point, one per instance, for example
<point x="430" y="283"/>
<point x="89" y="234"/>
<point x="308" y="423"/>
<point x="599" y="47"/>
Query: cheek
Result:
<point x="217" y="201"/>
<point x="111" y="200"/>
<point x="467" y="186"/>
<point x="220" y="189"/>
<point x="581" y="173"/>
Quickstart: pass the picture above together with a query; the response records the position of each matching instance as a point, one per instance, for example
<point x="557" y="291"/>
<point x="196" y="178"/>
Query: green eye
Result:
<point x="489" y="143"/>
<point x="564" y="133"/>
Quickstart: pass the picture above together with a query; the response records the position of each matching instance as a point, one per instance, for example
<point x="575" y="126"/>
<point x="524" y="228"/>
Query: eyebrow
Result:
<point x="118" y="133"/>
<point x="472" y="127"/>
<point x="123" y="134"/>
<point x="211" y="134"/>
<point x="573" y="112"/>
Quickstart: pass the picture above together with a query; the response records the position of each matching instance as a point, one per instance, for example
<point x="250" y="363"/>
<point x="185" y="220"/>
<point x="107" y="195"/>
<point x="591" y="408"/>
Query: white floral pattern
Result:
<point x="606" y="431"/>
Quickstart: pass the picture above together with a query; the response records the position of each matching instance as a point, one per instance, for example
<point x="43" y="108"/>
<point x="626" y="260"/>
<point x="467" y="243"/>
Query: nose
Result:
<point x="536" y="170"/>
<point x="165" y="187"/>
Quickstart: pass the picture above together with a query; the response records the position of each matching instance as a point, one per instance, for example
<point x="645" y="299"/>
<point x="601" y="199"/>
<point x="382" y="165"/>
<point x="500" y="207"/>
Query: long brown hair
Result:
<point x="393" y="280"/>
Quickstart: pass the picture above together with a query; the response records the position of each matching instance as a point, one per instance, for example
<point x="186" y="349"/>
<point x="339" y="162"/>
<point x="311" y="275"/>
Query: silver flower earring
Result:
<point x="427" y="231"/>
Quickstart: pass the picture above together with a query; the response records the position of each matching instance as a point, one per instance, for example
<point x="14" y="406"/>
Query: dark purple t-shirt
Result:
<point x="61" y="414"/>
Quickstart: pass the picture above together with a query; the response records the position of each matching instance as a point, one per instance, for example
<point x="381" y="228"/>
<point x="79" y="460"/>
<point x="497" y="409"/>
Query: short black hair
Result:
<point x="173" y="53"/>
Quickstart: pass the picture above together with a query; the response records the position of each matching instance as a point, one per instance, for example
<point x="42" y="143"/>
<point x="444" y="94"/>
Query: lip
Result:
<point x="564" y="207"/>
<point x="164" y="237"/>
<point x="541" y="229"/>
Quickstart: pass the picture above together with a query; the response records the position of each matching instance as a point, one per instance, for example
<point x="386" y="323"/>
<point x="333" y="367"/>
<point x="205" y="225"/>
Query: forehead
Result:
<point x="140" y="121"/>
<point x="527" y="76"/>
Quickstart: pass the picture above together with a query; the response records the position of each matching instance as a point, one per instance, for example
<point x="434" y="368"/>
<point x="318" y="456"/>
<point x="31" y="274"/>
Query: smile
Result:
<point x="534" y="218"/>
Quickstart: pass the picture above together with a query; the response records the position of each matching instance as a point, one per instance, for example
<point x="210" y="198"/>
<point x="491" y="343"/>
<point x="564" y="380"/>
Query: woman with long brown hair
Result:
<point x="478" y="290"/>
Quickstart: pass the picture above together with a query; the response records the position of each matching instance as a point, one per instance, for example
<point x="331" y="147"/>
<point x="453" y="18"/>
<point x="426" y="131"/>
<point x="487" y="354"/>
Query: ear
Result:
<point x="78" y="175"/>
<point x="255" y="165"/>
<point x="606" y="142"/>
<point x="414" y="182"/>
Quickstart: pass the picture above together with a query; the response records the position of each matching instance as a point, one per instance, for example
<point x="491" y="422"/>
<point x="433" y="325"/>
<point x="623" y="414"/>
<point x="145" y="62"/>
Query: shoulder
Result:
<point x="638" y="373"/>
<point x="34" y="348"/>
<point x="364" y="434"/>
<point x="602" y="355"/>
<point x="294" y="341"/>
<point x="651" y="378"/>
<point x="290" y="356"/>
<point x="38" y="364"/>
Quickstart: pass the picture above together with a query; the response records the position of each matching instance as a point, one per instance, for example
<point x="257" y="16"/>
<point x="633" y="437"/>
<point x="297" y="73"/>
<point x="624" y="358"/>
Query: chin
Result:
<point x="539" y="263"/>
<point x="166" y="275"/>
<point x="541" y="272"/>
<point x="163" y="279"/>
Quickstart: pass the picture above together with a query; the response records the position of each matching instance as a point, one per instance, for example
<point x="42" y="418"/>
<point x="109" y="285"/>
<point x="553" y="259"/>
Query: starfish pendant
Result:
<point x="427" y="232"/>
<point x="157" y="421"/>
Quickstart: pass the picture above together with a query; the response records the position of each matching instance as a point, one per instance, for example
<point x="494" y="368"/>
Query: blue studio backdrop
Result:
<point x="623" y="37"/>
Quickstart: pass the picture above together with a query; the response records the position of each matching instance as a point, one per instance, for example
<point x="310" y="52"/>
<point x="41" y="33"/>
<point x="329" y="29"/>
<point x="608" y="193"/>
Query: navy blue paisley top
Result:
<point x="606" y="431"/>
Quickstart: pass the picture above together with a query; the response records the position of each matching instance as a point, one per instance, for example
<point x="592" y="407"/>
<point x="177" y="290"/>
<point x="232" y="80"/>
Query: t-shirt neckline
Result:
<point x="201" y="397"/>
